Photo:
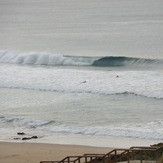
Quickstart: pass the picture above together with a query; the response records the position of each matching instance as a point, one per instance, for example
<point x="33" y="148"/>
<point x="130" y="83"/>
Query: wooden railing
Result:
<point x="140" y="154"/>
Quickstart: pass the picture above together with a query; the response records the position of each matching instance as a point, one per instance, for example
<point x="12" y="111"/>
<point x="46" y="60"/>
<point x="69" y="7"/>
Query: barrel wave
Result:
<point x="48" y="59"/>
<point x="122" y="61"/>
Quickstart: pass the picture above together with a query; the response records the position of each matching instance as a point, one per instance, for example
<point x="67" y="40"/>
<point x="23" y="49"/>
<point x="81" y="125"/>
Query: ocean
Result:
<point x="82" y="72"/>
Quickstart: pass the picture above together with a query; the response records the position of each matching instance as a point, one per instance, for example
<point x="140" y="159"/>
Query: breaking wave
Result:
<point x="48" y="59"/>
<point x="122" y="61"/>
<point x="148" y="130"/>
<point x="44" y="59"/>
<point x="143" y="131"/>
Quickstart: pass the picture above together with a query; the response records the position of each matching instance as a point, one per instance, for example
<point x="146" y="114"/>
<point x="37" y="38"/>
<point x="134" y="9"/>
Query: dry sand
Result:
<point x="35" y="152"/>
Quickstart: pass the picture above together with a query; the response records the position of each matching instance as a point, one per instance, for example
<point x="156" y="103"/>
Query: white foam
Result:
<point x="150" y="130"/>
<point x="37" y="58"/>
<point x="144" y="83"/>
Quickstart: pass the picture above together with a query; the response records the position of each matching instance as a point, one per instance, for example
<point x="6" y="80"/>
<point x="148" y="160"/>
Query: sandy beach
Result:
<point x="35" y="152"/>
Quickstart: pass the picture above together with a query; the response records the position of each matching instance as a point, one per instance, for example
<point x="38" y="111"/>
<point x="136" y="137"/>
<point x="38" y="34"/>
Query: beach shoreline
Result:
<point x="27" y="152"/>
<point x="34" y="152"/>
<point x="34" y="136"/>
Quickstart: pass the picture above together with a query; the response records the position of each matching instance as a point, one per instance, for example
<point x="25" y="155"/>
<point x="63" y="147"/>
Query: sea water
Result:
<point x="82" y="72"/>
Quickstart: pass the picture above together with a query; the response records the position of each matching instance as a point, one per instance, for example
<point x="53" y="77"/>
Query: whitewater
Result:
<point x="58" y="97"/>
<point x="82" y="72"/>
<point x="74" y="79"/>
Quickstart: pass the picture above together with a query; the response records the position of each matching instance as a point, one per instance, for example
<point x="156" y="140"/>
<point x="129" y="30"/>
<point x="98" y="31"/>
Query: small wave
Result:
<point x="25" y="122"/>
<point x="150" y="130"/>
<point x="156" y="95"/>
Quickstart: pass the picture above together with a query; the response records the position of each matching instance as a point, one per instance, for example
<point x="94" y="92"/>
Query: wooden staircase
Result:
<point x="131" y="155"/>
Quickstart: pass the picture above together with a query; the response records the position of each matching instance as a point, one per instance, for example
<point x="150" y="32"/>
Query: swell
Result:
<point x="36" y="58"/>
<point x="118" y="93"/>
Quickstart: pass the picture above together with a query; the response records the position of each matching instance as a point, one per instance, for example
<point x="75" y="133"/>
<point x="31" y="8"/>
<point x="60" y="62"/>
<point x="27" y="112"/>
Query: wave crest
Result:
<point x="36" y="58"/>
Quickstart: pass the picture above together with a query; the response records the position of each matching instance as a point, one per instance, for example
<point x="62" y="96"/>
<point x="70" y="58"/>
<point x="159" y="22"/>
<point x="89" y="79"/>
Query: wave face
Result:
<point x="61" y="60"/>
<point x="122" y="61"/>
